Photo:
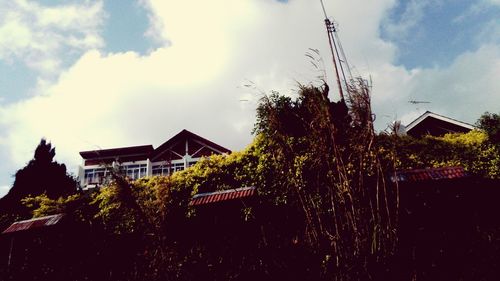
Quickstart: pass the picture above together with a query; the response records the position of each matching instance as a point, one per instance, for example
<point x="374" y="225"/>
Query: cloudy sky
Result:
<point x="90" y="74"/>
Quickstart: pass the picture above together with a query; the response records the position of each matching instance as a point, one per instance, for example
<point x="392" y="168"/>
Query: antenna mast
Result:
<point x="335" y="45"/>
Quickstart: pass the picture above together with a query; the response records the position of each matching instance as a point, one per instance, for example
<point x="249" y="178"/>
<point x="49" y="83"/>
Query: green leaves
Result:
<point x="44" y="206"/>
<point x="490" y="123"/>
<point x="472" y="151"/>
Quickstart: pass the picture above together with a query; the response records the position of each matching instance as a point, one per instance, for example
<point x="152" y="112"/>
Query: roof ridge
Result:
<point x="428" y="113"/>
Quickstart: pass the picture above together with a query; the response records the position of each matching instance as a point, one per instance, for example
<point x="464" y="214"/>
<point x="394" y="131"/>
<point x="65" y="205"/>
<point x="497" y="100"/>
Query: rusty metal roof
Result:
<point x="34" y="223"/>
<point x="418" y="175"/>
<point x="225" y="195"/>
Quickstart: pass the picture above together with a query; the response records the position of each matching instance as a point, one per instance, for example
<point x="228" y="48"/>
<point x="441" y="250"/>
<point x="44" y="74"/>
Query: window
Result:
<point x="177" y="167"/>
<point x="163" y="170"/>
<point x="96" y="176"/>
<point x="160" y="170"/>
<point x="135" y="171"/>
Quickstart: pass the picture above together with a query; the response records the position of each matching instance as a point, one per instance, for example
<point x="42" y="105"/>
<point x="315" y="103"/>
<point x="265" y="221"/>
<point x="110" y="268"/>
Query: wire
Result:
<point x="323" y="6"/>
<point x="335" y="45"/>
<point x="332" y="42"/>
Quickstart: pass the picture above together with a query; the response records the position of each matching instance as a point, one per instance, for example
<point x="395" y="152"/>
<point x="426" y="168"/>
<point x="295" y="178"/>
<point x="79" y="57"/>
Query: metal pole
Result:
<point x="10" y="251"/>
<point x="330" y="39"/>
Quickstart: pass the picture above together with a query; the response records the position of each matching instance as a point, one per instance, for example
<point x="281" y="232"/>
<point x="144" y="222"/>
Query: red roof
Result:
<point x="34" y="223"/>
<point x="429" y="174"/>
<point x="225" y="195"/>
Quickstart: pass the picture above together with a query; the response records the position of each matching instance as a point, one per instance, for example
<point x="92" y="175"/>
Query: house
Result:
<point x="178" y="153"/>
<point x="434" y="124"/>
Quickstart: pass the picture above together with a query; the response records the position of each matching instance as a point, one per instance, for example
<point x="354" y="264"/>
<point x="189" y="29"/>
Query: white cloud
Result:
<point x="4" y="189"/>
<point x="464" y="90"/>
<point x="409" y="20"/>
<point x="468" y="87"/>
<point x="41" y="37"/>
<point x="494" y="2"/>
<point x="476" y="8"/>
<point x="490" y="33"/>
<point x="195" y="81"/>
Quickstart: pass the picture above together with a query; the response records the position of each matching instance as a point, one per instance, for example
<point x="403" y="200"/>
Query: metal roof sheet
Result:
<point x="417" y="175"/>
<point x="34" y="223"/>
<point x="225" y="195"/>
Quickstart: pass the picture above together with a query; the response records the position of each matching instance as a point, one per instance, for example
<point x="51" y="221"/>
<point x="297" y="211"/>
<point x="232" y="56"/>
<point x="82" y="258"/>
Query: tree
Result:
<point x="323" y="211"/>
<point x="42" y="175"/>
<point x="490" y="123"/>
<point x="327" y="169"/>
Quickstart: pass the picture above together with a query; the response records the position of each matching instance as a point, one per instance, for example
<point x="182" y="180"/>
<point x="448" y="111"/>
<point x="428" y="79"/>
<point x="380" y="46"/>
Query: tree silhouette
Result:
<point x="490" y="123"/>
<point x="41" y="175"/>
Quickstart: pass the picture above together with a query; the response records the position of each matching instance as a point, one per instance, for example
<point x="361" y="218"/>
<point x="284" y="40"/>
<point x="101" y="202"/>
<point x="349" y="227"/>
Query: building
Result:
<point x="176" y="154"/>
<point x="434" y="124"/>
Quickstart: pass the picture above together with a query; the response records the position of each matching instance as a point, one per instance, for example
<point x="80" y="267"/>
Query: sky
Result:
<point x="92" y="74"/>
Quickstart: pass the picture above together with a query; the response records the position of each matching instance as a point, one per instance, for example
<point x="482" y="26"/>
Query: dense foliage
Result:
<point x="327" y="167"/>
<point x="490" y="123"/>
<point x="42" y="175"/>
<point x="472" y="151"/>
<point x="324" y="210"/>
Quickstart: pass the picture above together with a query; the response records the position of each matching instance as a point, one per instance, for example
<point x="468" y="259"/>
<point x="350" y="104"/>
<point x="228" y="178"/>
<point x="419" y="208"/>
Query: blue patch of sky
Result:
<point x="123" y="31"/>
<point x="125" y="26"/>
<point x="446" y="30"/>
<point x="16" y="80"/>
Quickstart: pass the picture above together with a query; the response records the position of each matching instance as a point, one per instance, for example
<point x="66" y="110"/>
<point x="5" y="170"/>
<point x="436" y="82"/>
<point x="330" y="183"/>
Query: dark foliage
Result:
<point x="325" y="209"/>
<point x="42" y="175"/>
<point x="448" y="231"/>
<point x="331" y="176"/>
<point x="490" y="123"/>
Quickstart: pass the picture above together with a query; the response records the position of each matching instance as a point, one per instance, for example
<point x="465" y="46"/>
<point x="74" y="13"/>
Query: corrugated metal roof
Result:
<point x="429" y="174"/>
<point x="34" y="223"/>
<point x="225" y="195"/>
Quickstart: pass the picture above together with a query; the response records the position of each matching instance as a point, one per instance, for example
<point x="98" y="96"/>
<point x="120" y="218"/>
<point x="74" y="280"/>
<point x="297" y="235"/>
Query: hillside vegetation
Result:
<point x="324" y="210"/>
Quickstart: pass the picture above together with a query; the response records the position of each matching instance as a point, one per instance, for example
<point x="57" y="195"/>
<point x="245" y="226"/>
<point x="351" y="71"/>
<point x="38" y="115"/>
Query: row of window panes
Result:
<point x="95" y="176"/>
<point x="163" y="170"/>
<point x="135" y="171"/>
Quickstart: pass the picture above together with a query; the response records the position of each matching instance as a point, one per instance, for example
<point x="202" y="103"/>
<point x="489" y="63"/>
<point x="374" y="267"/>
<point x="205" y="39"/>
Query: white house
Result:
<point x="177" y="153"/>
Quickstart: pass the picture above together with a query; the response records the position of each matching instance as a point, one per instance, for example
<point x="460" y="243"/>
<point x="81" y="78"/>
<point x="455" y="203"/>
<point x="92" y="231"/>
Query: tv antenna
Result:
<point x="418" y="101"/>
